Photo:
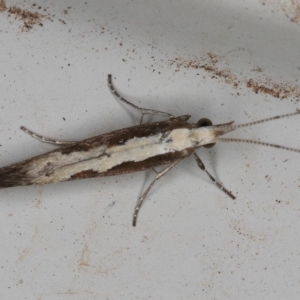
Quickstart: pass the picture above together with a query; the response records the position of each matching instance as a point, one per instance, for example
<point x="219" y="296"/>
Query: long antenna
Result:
<point x="238" y="140"/>
<point x="266" y="120"/>
<point x="258" y="143"/>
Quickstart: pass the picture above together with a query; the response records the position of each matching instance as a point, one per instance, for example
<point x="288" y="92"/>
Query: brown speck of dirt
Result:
<point x="38" y="203"/>
<point x="29" y="18"/>
<point x="280" y="91"/>
<point x="211" y="64"/>
<point x="291" y="8"/>
<point x="3" y="6"/>
<point x="246" y="232"/>
<point x="208" y="63"/>
<point x="257" y="69"/>
<point x="84" y="259"/>
<point x="62" y="21"/>
<point x="292" y="11"/>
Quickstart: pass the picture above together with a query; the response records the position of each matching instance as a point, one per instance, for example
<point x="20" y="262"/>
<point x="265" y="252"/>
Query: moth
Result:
<point x="127" y="150"/>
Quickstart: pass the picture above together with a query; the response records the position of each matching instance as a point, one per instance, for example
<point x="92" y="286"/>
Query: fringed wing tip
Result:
<point x="13" y="180"/>
<point x="11" y="177"/>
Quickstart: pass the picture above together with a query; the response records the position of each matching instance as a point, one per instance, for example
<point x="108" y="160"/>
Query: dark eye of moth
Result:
<point x="203" y="123"/>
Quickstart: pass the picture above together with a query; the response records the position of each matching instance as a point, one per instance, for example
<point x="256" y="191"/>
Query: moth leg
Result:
<point x="144" y="111"/>
<point x="46" y="140"/>
<point x="218" y="184"/>
<point x="141" y="199"/>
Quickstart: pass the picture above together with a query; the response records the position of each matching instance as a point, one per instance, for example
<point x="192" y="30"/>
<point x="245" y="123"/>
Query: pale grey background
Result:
<point x="74" y="240"/>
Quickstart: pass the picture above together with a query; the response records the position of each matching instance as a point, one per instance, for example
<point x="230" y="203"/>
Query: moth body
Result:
<point x="142" y="146"/>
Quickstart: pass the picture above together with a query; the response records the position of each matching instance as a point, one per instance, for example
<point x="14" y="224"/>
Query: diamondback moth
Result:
<point x="128" y="150"/>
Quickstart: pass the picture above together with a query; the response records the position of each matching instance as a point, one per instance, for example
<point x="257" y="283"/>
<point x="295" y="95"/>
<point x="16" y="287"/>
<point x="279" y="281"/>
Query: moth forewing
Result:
<point x="126" y="150"/>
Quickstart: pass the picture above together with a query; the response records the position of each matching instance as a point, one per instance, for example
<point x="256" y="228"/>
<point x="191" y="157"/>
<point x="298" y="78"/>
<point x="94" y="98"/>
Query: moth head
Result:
<point x="204" y="123"/>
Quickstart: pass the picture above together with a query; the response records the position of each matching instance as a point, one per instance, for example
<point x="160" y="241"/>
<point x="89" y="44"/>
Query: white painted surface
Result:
<point x="224" y="60"/>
